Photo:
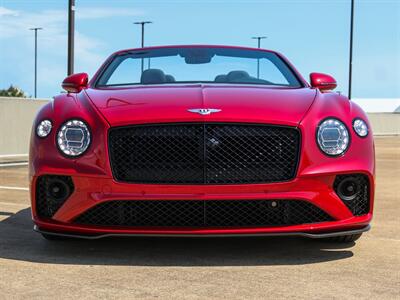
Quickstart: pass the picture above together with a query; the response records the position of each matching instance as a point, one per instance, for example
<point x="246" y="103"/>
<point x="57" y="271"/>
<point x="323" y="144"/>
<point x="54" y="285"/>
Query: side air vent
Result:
<point x="353" y="190"/>
<point x="51" y="193"/>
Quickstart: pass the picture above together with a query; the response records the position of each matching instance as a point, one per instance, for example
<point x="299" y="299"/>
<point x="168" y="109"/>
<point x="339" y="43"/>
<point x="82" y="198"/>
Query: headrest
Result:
<point x="237" y="75"/>
<point x="169" y="78"/>
<point x="221" y="78"/>
<point x="150" y="76"/>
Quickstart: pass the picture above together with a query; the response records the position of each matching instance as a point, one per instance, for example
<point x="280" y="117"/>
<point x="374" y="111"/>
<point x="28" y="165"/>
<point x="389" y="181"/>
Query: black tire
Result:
<point x="51" y="237"/>
<point x="344" y="238"/>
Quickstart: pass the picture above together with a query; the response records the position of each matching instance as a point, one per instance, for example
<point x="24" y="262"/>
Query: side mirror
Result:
<point x="322" y="82"/>
<point x="75" y="82"/>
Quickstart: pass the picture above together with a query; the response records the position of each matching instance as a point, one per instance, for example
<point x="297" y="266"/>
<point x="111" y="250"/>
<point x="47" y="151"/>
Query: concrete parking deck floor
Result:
<point x="231" y="268"/>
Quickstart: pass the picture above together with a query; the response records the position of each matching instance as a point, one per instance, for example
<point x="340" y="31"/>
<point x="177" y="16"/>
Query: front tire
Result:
<point x="344" y="238"/>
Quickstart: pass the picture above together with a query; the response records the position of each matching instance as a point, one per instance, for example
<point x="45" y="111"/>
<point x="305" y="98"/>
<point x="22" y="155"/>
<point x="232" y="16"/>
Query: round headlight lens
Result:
<point x="73" y="138"/>
<point x="44" y="128"/>
<point x="333" y="137"/>
<point x="360" y="127"/>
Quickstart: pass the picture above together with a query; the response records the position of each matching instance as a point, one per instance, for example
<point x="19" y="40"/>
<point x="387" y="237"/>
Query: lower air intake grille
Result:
<point x="196" y="213"/>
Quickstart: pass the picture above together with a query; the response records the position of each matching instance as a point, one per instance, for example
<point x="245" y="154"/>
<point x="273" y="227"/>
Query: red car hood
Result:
<point x="163" y="104"/>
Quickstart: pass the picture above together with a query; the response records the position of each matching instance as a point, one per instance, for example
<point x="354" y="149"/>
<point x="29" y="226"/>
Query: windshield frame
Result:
<point x="94" y="83"/>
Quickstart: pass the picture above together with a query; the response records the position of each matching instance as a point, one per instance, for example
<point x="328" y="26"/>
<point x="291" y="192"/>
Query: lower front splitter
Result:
<point x="303" y="234"/>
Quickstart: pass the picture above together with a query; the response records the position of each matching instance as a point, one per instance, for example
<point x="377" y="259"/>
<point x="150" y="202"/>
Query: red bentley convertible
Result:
<point x="201" y="141"/>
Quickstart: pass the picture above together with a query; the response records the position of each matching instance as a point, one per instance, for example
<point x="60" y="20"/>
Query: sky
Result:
<point x="312" y="34"/>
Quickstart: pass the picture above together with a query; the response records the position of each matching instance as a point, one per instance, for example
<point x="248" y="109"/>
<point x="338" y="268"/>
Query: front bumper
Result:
<point x="92" y="190"/>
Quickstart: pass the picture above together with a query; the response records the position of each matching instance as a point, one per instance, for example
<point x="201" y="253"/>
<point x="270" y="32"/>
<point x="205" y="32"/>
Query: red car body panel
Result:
<point x="166" y="104"/>
<point x="102" y="109"/>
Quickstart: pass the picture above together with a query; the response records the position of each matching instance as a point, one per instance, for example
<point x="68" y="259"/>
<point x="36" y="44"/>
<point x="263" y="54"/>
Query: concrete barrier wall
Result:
<point x="385" y="123"/>
<point x="16" y="117"/>
<point x="17" y="114"/>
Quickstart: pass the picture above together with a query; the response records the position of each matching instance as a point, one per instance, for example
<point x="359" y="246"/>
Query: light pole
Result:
<point x="142" y="24"/>
<point x="258" y="38"/>
<point x="71" y="36"/>
<point x="36" y="30"/>
<point x="351" y="45"/>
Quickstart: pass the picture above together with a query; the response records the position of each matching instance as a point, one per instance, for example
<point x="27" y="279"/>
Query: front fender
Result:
<point x="360" y="156"/>
<point x="44" y="156"/>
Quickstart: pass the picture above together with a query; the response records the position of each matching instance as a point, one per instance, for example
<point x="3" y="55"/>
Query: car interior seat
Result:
<point x="153" y="76"/>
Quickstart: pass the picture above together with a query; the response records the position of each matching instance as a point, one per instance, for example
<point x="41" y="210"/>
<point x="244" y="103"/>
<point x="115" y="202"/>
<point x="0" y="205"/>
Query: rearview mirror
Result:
<point x="75" y="82"/>
<point x="322" y="82"/>
<point x="197" y="56"/>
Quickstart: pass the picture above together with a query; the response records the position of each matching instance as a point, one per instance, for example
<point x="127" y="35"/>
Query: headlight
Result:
<point x="44" y="128"/>
<point x="73" y="138"/>
<point x="360" y="127"/>
<point x="333" y="137"/>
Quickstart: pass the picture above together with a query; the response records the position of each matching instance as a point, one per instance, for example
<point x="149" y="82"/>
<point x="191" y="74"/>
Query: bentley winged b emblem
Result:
<point x="204" y="111"/>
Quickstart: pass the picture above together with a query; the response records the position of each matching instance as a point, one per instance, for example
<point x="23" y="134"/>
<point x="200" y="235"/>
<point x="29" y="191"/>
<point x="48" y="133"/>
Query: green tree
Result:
<point x="12" y="91"/>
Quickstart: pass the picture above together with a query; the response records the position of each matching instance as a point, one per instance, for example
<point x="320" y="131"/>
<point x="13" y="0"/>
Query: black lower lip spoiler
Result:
<point x="303" y="234"/>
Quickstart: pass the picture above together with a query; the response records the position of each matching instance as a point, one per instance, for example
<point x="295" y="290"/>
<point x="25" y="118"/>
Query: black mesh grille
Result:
<point x="196" y="213"/>
<point x="204" y="153"/>
<point x="361" y="203"/>
<point x="46" y="204"/>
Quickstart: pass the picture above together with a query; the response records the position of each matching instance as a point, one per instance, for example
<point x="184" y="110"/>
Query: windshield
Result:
<point x="198" y="65"/>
